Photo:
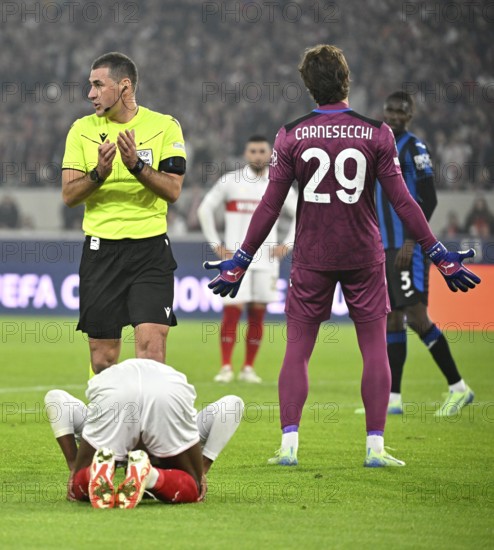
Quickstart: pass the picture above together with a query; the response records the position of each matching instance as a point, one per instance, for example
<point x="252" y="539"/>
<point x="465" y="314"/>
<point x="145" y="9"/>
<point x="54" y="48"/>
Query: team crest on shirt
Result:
<point x="274" y="158"/>
<point x="422" y="161"/>
<point x="146" y="155"/>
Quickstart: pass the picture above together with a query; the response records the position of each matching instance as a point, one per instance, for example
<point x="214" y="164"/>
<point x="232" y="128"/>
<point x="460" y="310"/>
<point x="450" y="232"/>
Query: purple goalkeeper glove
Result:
<point x="231" y="273"/>
<point x="451" y="267"/>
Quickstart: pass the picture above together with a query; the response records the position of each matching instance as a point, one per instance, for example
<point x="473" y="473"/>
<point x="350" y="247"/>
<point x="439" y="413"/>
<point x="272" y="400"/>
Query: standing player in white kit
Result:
<point x="238" y="193"/>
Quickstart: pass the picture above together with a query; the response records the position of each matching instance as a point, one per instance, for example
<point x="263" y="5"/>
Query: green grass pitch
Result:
<point x="443" y="498"/>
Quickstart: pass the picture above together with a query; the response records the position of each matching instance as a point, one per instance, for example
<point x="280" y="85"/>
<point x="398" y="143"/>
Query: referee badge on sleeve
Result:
<point x="146" y="155"/>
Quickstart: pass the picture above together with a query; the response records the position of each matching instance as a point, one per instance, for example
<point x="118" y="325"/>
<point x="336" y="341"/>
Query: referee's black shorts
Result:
<point x="125" y="282"/>
<point x="408" y="286"/>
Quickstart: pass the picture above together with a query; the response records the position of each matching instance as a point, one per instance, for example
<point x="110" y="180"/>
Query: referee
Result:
<point x="125" y="163"/>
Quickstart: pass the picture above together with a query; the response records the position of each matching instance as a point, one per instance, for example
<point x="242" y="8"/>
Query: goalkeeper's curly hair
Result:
<point x="325" y="73"/>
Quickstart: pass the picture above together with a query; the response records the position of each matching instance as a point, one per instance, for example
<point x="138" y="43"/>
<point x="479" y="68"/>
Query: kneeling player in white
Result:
<point x="139" y="407"/>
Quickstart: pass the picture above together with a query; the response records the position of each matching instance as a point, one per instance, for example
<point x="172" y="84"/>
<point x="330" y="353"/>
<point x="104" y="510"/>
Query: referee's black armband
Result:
<point x="173" y="165"/>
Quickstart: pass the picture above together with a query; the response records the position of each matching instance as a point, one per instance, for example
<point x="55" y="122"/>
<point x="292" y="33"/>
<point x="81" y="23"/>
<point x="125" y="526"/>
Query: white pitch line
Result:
<point x="30" y="389"/>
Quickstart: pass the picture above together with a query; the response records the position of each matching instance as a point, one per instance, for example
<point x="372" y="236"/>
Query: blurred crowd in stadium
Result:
<point x="227" y="70"/>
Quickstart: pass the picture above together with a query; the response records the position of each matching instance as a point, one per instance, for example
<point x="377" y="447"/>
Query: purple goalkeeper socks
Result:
<point x="291" y="428"/>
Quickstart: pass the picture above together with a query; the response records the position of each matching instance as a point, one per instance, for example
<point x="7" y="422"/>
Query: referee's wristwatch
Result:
<point x="95" y="177"/>
<point x="139" y="166"/>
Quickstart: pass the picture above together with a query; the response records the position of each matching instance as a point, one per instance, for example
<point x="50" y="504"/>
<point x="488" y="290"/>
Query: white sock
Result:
<point x="217" y="423"/>
<point x="394" y="397"/>
<point x="459" y="386"/>
<point x="376" y="443"/>
<point x="152" y="479"/>
<point x="229" y="367"/>
<point x="288" y="440"/>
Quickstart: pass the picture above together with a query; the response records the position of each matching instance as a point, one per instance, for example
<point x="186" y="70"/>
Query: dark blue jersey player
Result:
<point x="407" y="268"/>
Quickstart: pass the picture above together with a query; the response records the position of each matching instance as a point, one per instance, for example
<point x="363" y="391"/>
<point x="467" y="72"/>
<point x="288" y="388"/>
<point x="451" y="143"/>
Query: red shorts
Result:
<point x="310" y="293"/>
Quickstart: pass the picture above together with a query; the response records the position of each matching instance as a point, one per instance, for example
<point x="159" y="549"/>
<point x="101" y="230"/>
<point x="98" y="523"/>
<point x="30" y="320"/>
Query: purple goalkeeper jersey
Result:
<point x="336" y="155"/>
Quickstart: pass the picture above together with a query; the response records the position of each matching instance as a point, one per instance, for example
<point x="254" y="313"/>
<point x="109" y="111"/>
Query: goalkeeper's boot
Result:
<point x="101" y="490"/>
<point x="394" y="407"/>
<point x="131" y="490"/>
<point x="455" y="401"/>
<point x="284" y="457"/>
<point x="248" y="374"/>
<point x="225" y="375"/>
<point x="381" y="460"/>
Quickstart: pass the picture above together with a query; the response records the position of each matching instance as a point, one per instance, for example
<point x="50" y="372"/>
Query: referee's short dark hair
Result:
<point x="120" y="66"/>
<point x="404" y="97"/>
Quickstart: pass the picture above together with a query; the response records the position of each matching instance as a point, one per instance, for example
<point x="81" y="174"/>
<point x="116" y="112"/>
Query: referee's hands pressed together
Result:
<point x="106" y="155"/>
<point x="127" y="146"/>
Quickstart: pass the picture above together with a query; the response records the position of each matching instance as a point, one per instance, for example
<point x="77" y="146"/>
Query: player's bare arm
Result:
<point x="77" y="186"/>
<point x="68" y="447"/>
<point x="166" y="186"/>
<point x="222" y="252"/>
<point x="427" y="204"/>
<point x="404" y="256"/>
<point x="280" y="251"/>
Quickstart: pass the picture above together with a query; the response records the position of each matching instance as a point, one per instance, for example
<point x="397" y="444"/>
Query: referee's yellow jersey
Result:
<point x="122" y="207"/>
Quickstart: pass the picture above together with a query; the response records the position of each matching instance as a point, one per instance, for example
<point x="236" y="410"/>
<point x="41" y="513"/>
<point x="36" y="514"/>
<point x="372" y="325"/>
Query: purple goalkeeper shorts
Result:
<point x="310" y="293"/>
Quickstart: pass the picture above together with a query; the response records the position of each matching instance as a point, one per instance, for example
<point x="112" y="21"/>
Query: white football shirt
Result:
<point x="239" y="193"/>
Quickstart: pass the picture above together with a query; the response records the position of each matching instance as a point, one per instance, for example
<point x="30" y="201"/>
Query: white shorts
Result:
<point x="258" y="285"/>
<point x="141" y="398"/>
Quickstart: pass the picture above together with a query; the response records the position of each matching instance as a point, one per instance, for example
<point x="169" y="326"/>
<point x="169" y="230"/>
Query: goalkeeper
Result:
<point x="336" y="154"/>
